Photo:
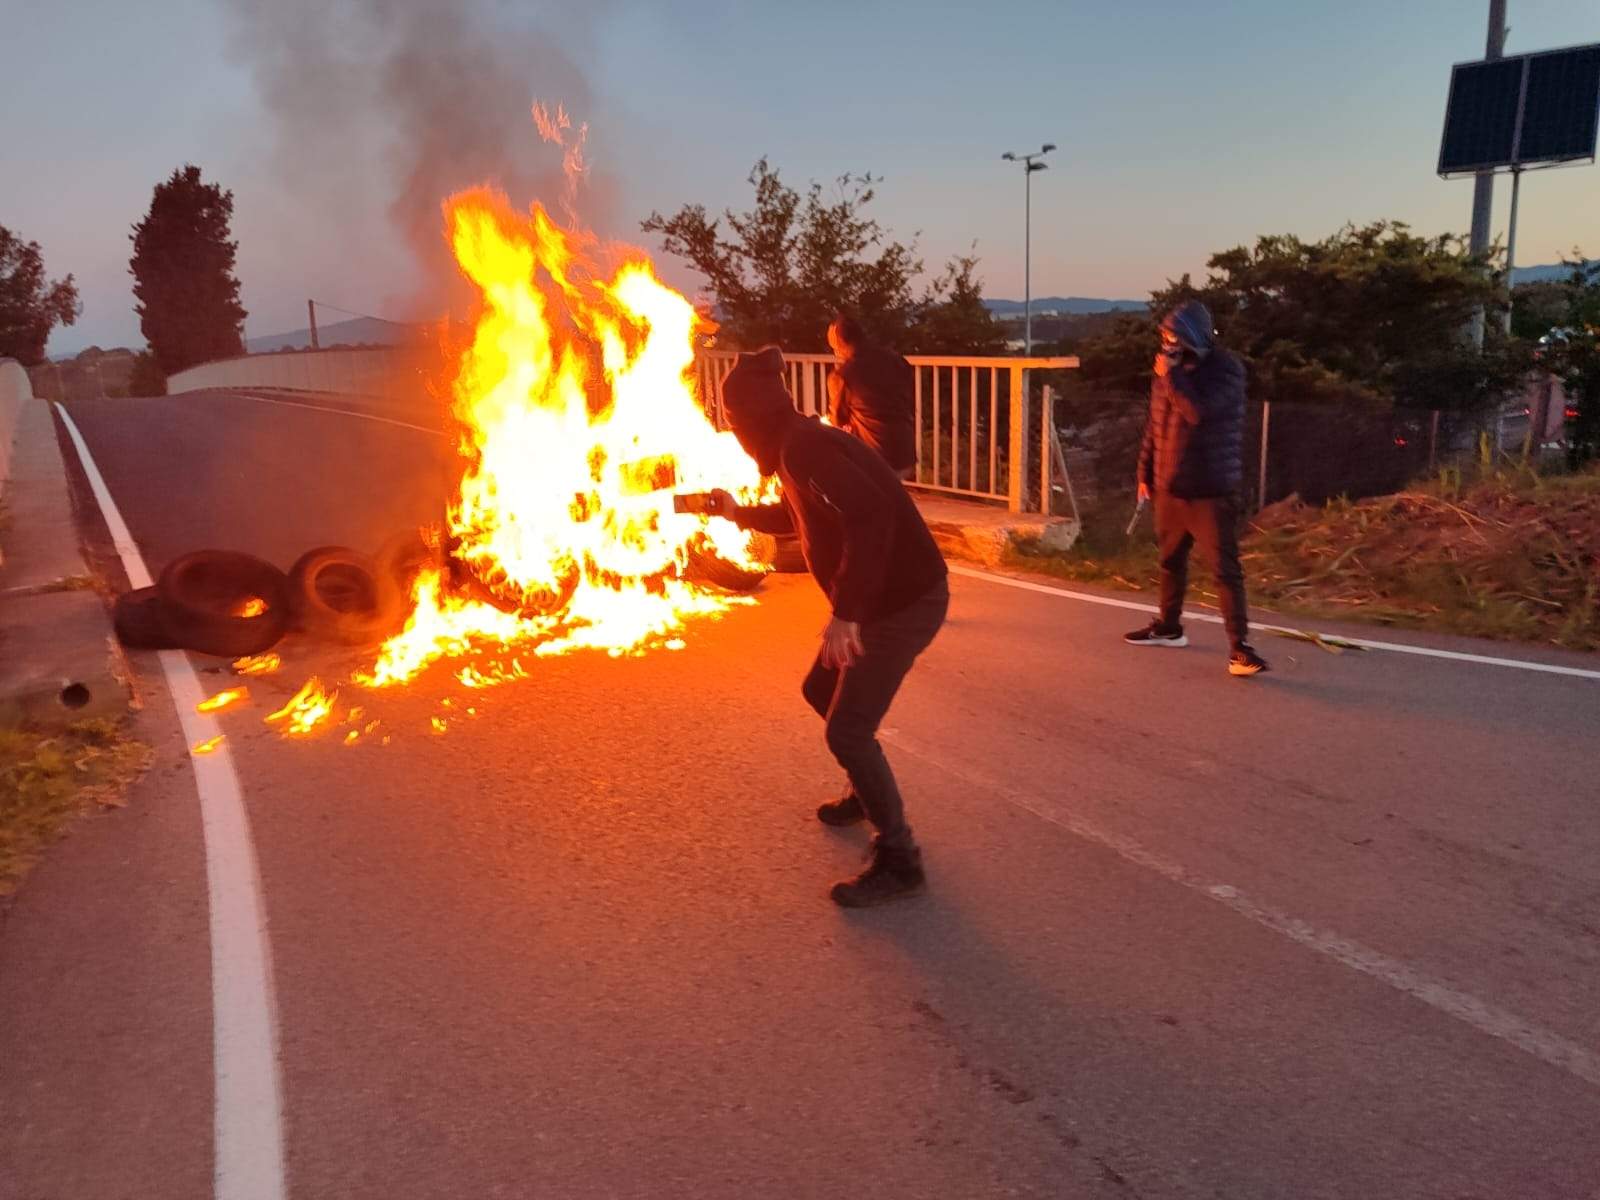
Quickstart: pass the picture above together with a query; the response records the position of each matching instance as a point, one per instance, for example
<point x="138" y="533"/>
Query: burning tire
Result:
<point x="402" y="558"/>
<point x="338" y="593"/>
<point x="707" y="567"/>
<point x="781" y="553"/>
<point x="499" y="591"/>
<point x="224" y="603"/>
<point x="139" y="619"/>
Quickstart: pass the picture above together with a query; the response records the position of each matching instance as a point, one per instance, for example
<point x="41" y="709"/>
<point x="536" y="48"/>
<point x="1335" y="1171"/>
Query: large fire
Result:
<point x="578" y="420"/>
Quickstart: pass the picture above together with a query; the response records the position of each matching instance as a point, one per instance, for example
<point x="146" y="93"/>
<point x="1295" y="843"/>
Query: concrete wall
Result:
<point x="14" y="393"/>
<point x="389" y="372"/>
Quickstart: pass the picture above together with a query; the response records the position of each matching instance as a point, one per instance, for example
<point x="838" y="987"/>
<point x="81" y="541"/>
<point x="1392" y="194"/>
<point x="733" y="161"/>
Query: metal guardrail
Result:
<point x="972" y="419"/>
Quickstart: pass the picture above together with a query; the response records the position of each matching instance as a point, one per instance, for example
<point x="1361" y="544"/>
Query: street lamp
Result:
<point x="1030" y="164"/>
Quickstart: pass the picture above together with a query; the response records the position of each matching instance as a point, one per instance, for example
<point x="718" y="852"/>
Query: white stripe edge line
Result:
<point x="1392" y="647"/>
<point x="248" y="1151"/>
<point x="338" y="412"/>
<point x="1548" y="1047"/>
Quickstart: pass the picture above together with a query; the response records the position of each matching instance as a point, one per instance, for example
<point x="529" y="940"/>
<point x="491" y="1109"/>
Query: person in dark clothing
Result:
<point x="1192" y="460"/>
<point x="872" y="394"/>
<point x="871" y="554"/>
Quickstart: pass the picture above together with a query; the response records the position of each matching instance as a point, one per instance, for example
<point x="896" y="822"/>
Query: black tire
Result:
<point x="337" y="593"/>
<point x="707" y="567"/>
<point x="139" y="619"/>
<point x="402" y="558"/>
<point x="788" y="559"/>
<point x="205" y="593"/>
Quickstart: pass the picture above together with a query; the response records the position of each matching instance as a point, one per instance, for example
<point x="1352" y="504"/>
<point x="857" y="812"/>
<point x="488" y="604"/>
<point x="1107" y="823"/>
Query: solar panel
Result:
<point x="1563" y="106"/>
<point x="1522" y="111"/>
<point x="1480" y="122"/>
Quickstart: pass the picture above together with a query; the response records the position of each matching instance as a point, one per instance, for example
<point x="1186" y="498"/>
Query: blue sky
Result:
<point x="1183" y="129"/>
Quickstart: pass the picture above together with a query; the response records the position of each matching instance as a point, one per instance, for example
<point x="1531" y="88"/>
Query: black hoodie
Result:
<point x="863" y="538"/>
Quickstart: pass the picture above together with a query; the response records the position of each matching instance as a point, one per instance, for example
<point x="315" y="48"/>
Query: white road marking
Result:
<point x="338" y="412"/>
<point x="1394" y="647"/>
<point x="248" y="1093"/>
<point x="1544" y="1045"/>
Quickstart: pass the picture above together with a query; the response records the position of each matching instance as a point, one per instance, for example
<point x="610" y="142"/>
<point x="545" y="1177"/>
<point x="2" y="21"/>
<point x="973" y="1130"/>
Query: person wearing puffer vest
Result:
<point x="1191" y="463"/>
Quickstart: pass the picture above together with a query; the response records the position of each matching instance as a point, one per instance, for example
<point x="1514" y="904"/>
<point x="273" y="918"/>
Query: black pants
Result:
<point x="853" y="702"/>
<point x="1211" y="524"/>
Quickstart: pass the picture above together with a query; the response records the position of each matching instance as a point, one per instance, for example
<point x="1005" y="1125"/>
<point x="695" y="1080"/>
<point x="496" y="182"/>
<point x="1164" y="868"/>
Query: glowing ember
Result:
<point x="578" y="422"/>
<point x="307" y="709"/>
<point x="257" y="664"/>
<point x="253" y="607"/>
<point x="207" y="746"/>
<point x="222" y="699"/>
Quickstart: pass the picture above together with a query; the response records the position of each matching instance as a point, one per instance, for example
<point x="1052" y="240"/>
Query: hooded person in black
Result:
<point x="872" y="395"/>
<point x="871" y="554"/>
<point x="1192" y="460"/>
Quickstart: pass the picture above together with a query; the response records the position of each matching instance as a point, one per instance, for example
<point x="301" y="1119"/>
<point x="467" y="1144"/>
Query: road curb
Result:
<point x="59" y="660"/>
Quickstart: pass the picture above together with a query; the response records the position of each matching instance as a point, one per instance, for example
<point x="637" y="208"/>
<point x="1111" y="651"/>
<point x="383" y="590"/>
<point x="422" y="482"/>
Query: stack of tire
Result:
<point x="232" y="605"/>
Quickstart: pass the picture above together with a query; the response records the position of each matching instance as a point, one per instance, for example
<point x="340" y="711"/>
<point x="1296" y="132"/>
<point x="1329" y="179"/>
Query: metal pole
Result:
<point x="311" y="308"/>
<point x="1261" y="479"/>
<point x="1027" y="259"/>
<point x="1483" y="185"/>
<point x="1511" y="241"/>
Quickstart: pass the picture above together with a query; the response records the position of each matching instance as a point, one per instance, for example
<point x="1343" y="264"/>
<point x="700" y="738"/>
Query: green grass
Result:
<point x="46" y="780"/>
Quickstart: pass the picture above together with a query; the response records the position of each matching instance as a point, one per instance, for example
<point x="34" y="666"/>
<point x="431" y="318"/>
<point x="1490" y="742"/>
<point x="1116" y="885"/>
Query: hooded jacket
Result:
<point x="1193" y="445"/>
<point x="872" y="394"/>
<point x="864" y="541"/>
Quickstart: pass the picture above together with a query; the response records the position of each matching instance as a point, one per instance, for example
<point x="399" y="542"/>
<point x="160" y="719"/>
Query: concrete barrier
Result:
<point x="384" y="372"/>
<point x="15" y="391"/>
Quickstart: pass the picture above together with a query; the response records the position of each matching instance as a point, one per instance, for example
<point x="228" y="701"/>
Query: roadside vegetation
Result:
<point x="1511" y="554"/>
<point x="48" y="780"/>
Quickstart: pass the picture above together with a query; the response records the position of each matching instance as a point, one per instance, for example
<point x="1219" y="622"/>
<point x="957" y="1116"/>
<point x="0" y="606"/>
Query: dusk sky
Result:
<point x="1182" y="128"/>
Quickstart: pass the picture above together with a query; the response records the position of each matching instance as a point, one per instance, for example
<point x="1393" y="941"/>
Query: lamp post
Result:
<point x="1030" y="164"/>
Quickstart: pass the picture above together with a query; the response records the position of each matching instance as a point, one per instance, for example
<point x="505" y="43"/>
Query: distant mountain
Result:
<point x="1550" y="273"/>
<point x="1065" y="304"/>
<point x="362" y="331"/>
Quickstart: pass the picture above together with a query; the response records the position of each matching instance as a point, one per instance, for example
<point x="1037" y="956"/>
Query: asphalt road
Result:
<point x="1333" y="932"/>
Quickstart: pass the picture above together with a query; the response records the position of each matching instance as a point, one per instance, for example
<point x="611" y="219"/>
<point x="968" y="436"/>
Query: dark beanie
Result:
<point x="756" y="399"/>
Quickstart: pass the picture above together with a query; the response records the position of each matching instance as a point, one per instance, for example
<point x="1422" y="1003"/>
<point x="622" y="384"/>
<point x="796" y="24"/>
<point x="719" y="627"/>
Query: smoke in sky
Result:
<point x="385" y="107"/>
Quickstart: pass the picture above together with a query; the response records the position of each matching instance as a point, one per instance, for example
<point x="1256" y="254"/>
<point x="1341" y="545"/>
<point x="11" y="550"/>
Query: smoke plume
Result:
<point x="385" y="107"/>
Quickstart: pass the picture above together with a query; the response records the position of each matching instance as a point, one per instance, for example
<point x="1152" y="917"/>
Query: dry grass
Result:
<point x="46" y="780"/>
<point x="1514" y="556"/>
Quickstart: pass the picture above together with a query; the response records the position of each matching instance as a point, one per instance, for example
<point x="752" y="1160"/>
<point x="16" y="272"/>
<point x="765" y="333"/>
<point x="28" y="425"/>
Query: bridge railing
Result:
<point x="974" y="433"/>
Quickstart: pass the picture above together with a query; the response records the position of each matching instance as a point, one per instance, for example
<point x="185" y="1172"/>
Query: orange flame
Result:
<point x="578" y="421"/>
<point x="207" y="746"/>
<point x="257" y="664"/>
<point x="222" y="699"/>
<point x="307" y="709"/>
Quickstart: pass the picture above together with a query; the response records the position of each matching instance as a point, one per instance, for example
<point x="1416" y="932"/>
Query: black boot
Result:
<point x="846" y="810"/>
<point x="891" y="875"/>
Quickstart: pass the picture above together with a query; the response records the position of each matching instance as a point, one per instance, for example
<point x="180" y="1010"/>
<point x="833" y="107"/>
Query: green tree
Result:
<point x="1355" y="335"/>
<point x="182" y="267"/>
<point x="30" y="305"/>
<point x="778" y="272"/>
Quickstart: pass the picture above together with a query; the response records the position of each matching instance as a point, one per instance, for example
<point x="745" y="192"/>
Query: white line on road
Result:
<point x="248" y="1094"/>
<point x="338" y="412"/>
<point x="1544" y="1045"/>
<point x="1395" y="647"/>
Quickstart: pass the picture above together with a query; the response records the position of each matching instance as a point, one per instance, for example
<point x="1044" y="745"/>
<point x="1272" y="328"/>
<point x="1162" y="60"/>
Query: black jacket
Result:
<point x="1194" y="439"/>
<point x="865" y="542"/>
<point x="873" y="399"/>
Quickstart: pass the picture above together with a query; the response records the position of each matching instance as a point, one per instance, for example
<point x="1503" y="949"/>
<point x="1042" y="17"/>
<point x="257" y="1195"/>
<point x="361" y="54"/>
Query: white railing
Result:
<point x="972" y="419"/>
